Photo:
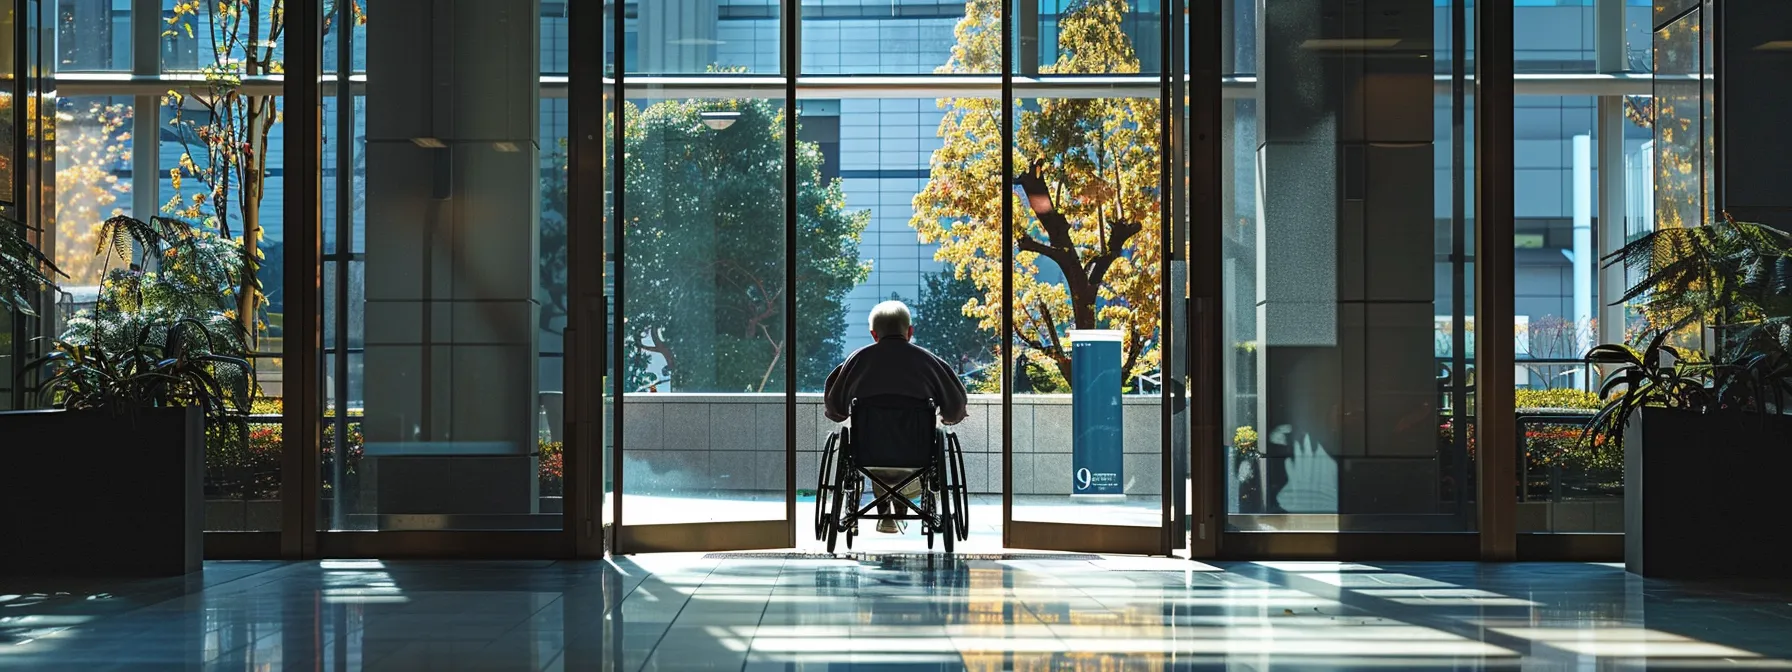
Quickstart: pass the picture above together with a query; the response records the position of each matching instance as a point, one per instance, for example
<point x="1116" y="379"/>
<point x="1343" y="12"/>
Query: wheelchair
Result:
<point x="892" y="433"/>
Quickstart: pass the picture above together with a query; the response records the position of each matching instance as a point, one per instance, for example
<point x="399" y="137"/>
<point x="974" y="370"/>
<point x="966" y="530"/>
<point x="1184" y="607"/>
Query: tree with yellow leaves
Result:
<point x="224" y="130"/>
<point x="1087" y="221"/>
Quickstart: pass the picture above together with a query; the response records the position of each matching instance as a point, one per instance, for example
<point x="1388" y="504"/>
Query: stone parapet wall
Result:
<point x="690" y="443"/>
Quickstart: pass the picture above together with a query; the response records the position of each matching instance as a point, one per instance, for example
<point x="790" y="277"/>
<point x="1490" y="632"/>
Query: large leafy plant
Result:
<point x="24" y="269"/>
<point x="161" y="332"/>
<point x="190" y="275"/>
<point x="1733" y="277"/>
<point x="178" y="368"/>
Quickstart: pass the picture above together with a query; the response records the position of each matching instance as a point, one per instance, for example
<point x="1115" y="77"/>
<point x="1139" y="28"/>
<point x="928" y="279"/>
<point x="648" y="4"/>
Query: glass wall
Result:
<point x="1087" y="310"/>
<point x="1347" y="384"/>
<point x="702" y="281"/>
<point x="702" y="250"/>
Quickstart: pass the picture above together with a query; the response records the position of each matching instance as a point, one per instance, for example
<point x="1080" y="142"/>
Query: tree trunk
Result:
<point x="252" y="179"/>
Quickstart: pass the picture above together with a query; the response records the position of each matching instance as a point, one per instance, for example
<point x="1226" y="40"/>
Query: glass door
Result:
<point x="703" y="408"/>
<point x="1344" y="270"/>
<point x="1089" y="409"/>
<point x="448" y="236"/>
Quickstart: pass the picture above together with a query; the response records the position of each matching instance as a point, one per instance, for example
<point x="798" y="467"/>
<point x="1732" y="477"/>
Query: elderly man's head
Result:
<point x="891" y="318"/>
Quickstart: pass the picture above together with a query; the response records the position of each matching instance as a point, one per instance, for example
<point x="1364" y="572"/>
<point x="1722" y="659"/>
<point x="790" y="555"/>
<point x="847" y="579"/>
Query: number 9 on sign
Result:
<point x="1082" y="479"/>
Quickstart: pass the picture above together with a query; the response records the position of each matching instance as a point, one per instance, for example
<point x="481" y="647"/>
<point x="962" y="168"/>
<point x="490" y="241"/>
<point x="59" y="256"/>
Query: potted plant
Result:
<point x="112" y="471"/>
<point x="1248" y="470"/>
<point x="1703" y="430"/>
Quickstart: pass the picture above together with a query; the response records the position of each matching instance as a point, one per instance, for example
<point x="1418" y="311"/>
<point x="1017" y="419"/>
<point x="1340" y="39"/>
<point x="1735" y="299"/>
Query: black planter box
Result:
<point x="92" y="493"/>
<point x="1704" y="494"/>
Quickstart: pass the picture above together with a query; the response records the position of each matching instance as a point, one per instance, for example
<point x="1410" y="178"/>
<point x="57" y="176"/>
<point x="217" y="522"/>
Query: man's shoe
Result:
<point x="890" y="526"/>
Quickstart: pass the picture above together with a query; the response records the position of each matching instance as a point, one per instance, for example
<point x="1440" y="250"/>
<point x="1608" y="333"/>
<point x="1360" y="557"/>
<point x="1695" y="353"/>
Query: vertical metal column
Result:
<point x="618" y="150"/>
<point x="22" y="68"/>
<point x="1172" y="286"/>
<point x="1496" y="437"/>
<point x="1205" y="282"/>
<point x="1007" y="333"/>
<point x="586" y="328"/>
<point x="1459" y="331"/>
<point x="146" y="62"/>
<point x="1610" y="57"/>
<point x="344" y="255"/>
<point x="302" y="345"/>
<point x="40" y="183"/>
<point x="790" y="20"/>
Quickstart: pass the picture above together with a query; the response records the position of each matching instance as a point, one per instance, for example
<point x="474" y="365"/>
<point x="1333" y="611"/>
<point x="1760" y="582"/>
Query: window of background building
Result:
<point x="93" y="35"/>
<point x="666" y="37"/>
<point x="886" y="37"/>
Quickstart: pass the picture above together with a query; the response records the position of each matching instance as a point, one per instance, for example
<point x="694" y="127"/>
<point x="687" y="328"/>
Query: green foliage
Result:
<point x="1244" y="440"/>
<point x="24" y="270"/>
<point x="1031" y="378"/>
<point x="551" y="265"/>
<point x="1735" y="277"/>
<point x="1556" y="399"/>
<point x="943" y="325"/>
<point x="552" y="469"/>
<point x="243" y="461"/>
<point x="195" y="274"/>
<point x="704" y="258"/>
<point x="174" y="368"/>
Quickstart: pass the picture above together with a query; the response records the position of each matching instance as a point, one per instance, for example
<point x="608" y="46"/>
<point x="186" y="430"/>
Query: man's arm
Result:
<point x="834" y="404"/>
<point x="953" y="400"/>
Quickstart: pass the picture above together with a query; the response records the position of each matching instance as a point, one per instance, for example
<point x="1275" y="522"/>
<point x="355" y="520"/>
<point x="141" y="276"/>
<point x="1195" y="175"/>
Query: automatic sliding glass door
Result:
<point x="1081" y="271"/>
<point x="703" y="346"/>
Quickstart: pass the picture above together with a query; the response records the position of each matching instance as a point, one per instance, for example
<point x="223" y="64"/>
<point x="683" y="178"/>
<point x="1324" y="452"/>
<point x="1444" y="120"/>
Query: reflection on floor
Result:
<point x="798" y="611"/>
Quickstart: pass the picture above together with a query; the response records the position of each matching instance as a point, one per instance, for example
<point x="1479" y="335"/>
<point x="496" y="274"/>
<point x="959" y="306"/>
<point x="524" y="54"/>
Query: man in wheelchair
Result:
<point x="891" y="369"/>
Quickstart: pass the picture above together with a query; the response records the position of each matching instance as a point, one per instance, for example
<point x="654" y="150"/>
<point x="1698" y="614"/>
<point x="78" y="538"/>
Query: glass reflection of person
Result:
<point x="894" y="365"/>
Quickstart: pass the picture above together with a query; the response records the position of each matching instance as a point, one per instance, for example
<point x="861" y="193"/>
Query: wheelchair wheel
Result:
<point x="825" y="486"/>
<point x="835" y="516"/>
<point x="948" y="472"/>
<point x="833" y="532"/>
<point x="947" y="522"/>
<point x="927" y="515"/>
<point x="959" y="491"/>
<point x="855" y="494"/>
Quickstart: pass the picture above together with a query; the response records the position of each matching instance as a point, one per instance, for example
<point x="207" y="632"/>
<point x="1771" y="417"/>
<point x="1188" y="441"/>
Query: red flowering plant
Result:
<point x="246" y="464"/>
<point x="243" y="461"/>
<point x="1554" y="453"/>
<point x="553" y="468"/>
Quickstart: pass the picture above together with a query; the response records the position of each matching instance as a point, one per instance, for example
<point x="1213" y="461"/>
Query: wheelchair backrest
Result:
<point x="892" y="431"/>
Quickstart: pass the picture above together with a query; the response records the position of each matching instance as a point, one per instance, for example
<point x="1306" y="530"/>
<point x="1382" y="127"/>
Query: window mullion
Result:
<point x="146" y="60"/>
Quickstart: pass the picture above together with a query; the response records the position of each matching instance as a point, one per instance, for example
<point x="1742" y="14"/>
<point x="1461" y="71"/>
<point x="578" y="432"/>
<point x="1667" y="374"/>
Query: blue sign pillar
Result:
<point x="1097" y="458"/>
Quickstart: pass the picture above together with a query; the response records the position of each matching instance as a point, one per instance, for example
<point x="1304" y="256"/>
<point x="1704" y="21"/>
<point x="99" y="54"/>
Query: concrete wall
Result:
<point x="693" y="443"/>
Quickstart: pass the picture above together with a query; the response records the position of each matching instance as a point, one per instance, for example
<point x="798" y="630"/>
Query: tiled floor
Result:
<point x="892" y="612"/>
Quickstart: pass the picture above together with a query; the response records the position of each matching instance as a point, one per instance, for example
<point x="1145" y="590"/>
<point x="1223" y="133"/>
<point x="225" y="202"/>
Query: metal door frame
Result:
<point x="624" y="538"/>
<point x="1164" y="538"/>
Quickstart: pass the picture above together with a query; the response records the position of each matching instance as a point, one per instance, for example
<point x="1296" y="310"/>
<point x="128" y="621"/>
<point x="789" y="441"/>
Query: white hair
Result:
<point x="890" y="318"/>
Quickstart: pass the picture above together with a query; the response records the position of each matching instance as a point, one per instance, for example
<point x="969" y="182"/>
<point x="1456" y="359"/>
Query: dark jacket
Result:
<point x="895" y="366"/>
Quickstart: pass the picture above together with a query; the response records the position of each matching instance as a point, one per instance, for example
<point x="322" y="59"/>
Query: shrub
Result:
<point x="235" y="470"/>
<point x="553" y="468"/>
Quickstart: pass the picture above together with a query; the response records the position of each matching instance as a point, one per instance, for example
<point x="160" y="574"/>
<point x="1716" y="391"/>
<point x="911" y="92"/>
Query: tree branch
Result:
<point x="777" y="354"/>
<point x="659" y="347"/>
